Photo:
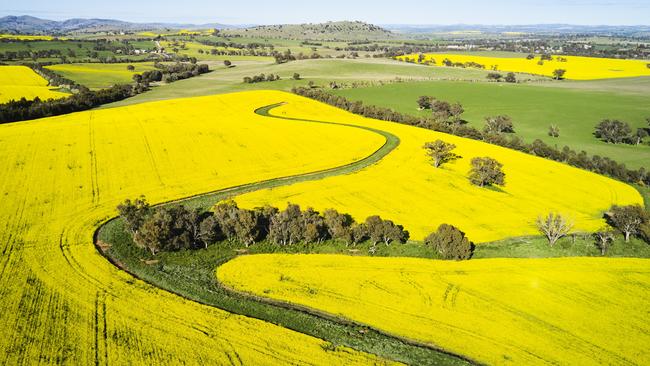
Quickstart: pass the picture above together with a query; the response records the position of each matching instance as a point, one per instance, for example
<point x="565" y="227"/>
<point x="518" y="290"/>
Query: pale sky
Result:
<point x="583" y="12"/>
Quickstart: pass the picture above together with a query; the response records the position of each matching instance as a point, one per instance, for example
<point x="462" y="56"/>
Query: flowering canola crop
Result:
<point x="20" y="81"/>
<point x="565" y="311"/>
<point x="60" y="177"/>
<point x="577" y="67"/>
<point x="407" y="189"/>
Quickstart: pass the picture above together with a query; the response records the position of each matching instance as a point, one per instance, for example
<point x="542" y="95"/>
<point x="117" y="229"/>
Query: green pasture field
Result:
<point x="576" y="110"/>
<point x="98" y="75"/>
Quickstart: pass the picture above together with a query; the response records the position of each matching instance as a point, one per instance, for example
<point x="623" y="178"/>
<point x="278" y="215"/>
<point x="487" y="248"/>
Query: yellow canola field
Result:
<point x="577" y="67"/>
<point x="60" y="177"/>
<point x="20" y="81"/>
<point x="29" y="37"/>
<point x="407" y="189"/>
<point x="568" y="311"/>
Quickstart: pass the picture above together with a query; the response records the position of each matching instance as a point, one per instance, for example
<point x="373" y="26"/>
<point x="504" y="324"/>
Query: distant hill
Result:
<point x="33" y="25"/>
<point x="345" y="30"/>
<point x="530" y="28"/>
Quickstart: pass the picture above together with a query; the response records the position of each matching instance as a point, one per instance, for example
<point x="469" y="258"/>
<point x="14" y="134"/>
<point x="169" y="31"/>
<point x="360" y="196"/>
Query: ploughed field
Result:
<point x="18" y="82"/>
<point x="577" y="67"/>
<point x="566" y="311"/>
<point x="61" y="177"/>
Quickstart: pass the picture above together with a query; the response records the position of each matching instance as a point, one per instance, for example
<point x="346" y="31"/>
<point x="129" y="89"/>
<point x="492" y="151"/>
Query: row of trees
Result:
<point x="174" y="227"/>
<point x="20" y="110"/>
<point x="617" y="132"/>
<point x="596" y="163"/>
<point x="261" y="78"/>
<point x="171" y="73"/>
<point x="495" y="76"/>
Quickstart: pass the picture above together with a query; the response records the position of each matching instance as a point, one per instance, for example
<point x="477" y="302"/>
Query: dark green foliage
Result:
<point x="260" y="78"/>
<point x="498" y="124"/>
<point x="450" y="243"/>
<point x="559" y="74"/>
<point x="629" y="220"/>
<point x="613" y="131"/>
<point x="494" y="76"/>
<point x="440" y="152"/>
<point x="134" y="213"/>
<point x="425" y="102"/>
<point x="296" y="76"/>
<point x="380" y="230"/>
<point x="486" y="172"/>
<point x="511" y="78"/>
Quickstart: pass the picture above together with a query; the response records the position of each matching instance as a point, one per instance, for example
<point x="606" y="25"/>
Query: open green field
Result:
<point x="533" y="108"/>
<point x="321" y="72"/>
<point x="97" y="76"/>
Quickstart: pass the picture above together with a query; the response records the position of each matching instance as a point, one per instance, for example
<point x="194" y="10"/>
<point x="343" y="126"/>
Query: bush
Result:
<point x="450" y="243"/>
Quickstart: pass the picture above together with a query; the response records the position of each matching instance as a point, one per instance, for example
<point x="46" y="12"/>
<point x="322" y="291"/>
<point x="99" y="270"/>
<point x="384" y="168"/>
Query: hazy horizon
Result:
<point x="406" y="12"/>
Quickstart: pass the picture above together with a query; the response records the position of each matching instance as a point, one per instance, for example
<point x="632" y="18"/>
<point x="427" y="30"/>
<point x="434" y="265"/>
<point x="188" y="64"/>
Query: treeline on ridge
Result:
<point x="448" y="121"/>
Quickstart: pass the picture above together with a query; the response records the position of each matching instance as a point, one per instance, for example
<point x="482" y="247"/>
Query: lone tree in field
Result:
<point x="604" y="239"/>
<point x="554" y="226"/>
<point x="486" y="172"/>
<point x="499" y="124"/>
<point x="558" y="74"/>
<point x="440" y="152"/>
<point x="227" y="63"/>
<point x="130" y="67"/>
<point x="554" y="131"/>
<point x="296" y="76"/>
<point x="628" y="219"/>
<point x="511" y="78"/>
<point x="613" y="131"/>
<point x="450" y="243"/>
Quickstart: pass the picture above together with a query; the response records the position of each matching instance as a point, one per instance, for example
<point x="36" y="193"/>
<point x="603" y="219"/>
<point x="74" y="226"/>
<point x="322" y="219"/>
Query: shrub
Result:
<point x="450" y="243"/>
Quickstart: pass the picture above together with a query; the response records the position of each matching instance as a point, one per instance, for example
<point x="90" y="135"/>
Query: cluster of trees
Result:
<point x="629" y="221"/>
<point x="596" y="163"/>
<point x="20" y="110"/>
<point x="261" y="78"/>
<point x="174" y="227"/>
<point x="495" y="76"/>
<point x="281" y="58"/>
<point x="171" y="73"/>
<point x="484" y="171"/>
<point x="442" y="111"/>
<point x="617" y="132"/>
